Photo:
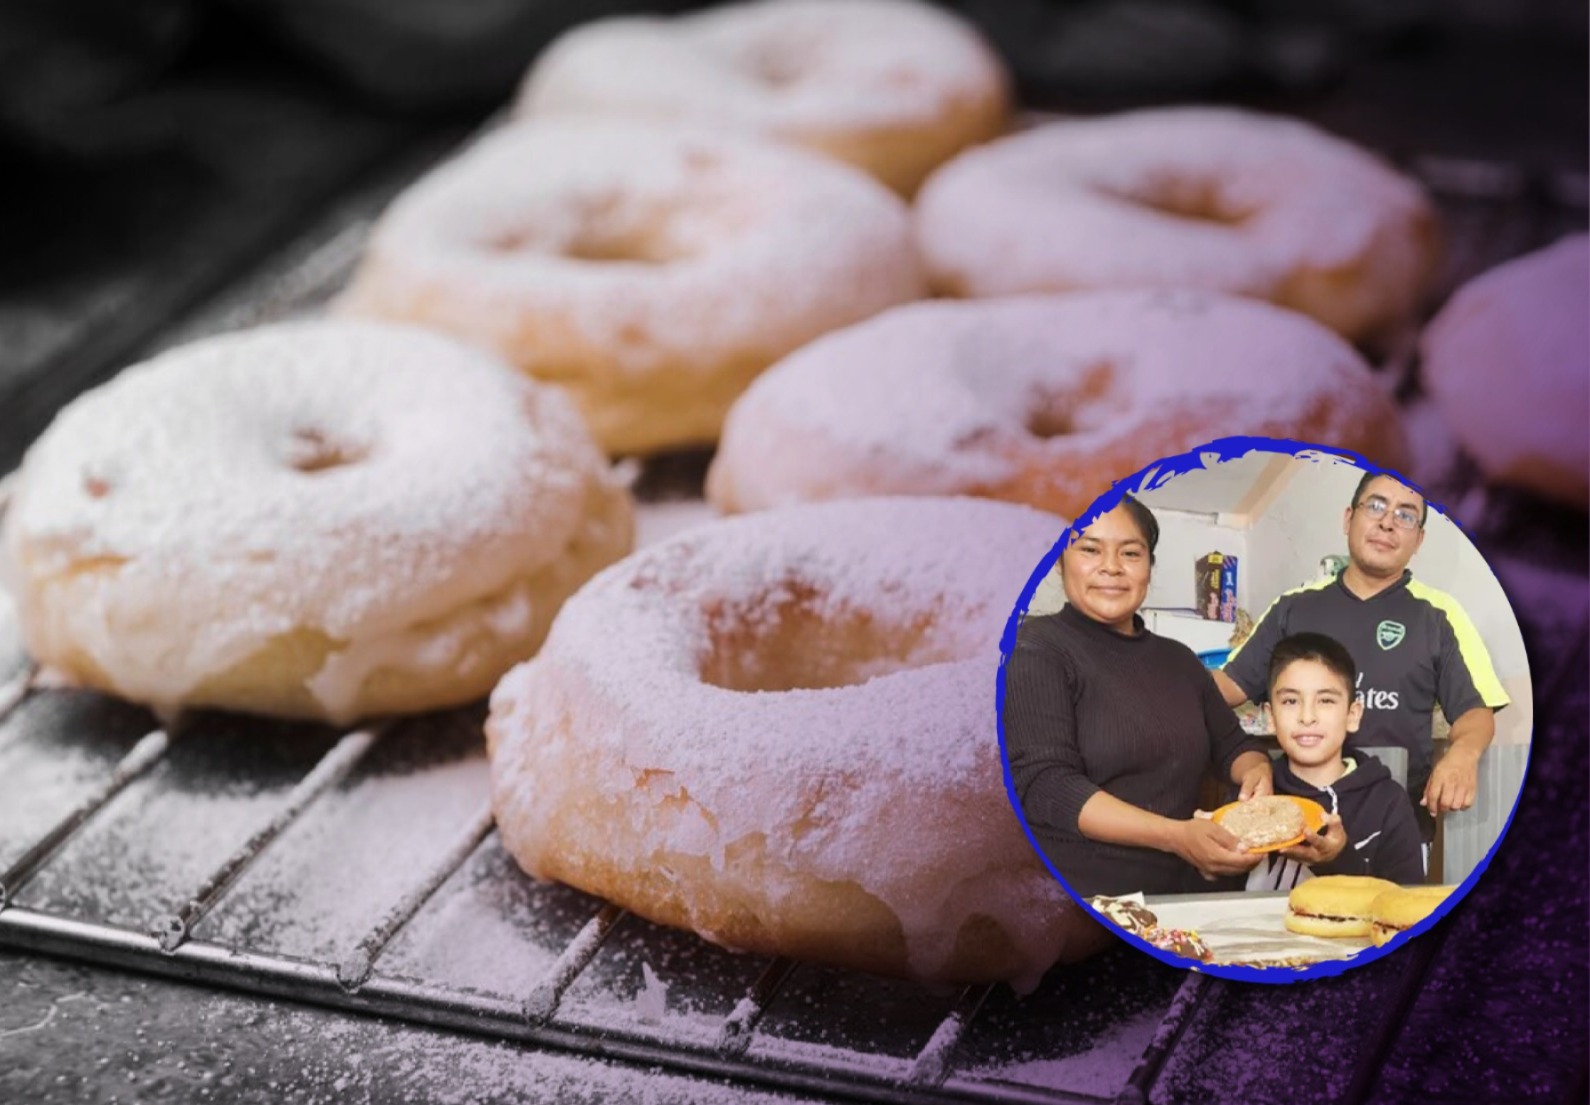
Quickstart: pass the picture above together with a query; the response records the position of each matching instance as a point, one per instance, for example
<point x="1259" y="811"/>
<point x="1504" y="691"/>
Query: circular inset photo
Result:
<point x="1264" y="710"/>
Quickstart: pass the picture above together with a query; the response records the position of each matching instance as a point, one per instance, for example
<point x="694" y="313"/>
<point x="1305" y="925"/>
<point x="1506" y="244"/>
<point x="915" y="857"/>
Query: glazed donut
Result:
<point x="779" y="731"/>
<point x="894" y="88"/>
<point x="316" y="520"/>
<point x="1207" y="198"/>
<point x="652" y="273"/>
<point x="1043" y="400"/>
<point x="1507" y="362"/>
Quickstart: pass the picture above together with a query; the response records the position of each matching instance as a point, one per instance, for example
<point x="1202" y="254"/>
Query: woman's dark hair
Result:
<point x="1145" y="521"/>
<point x="1317" y="647"/>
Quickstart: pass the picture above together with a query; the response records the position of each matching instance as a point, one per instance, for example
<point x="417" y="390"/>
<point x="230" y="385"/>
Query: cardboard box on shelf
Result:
<point x="1216" y="589"/>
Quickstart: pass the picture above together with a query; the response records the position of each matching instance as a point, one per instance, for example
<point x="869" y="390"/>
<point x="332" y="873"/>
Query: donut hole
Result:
<point x="604" y="228"/>
<point x="636" y="244"/>
<point x="1184" y="197"/>
<point x="1068" y="417"/>
<point x="597" y="227"/>
<point x="311" y="450"/>
<point x="1090" y="401"/>
<point x="779" y="64"/>
<point x="702" y="162"/>
<point x="696" y="221"/>
<point x="793" y="640"/>
<point x="97" y="565"/>
<point x="1051" y="420"/>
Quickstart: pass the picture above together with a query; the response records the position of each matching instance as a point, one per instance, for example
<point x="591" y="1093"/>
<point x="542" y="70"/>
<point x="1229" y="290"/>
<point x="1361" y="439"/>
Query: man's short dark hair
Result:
<point x="1145" y="521"/>
<point x="1317" y="647"/>
<point x="1358" y="495"/>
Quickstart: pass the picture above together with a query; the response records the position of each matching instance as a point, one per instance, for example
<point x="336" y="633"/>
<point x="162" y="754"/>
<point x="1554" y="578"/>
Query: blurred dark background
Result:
<point x="153" y="150"/>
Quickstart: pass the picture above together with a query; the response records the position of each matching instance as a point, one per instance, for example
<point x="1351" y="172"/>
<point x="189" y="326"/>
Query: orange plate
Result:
<point x="1313" y="818"/>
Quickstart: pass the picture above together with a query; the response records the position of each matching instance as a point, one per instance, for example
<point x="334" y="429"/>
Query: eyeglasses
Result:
<point x="1402" y="517"/>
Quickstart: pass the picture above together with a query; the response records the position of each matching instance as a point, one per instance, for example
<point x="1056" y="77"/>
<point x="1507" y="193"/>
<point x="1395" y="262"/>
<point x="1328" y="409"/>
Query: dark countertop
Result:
<point x="74" y="1035"/>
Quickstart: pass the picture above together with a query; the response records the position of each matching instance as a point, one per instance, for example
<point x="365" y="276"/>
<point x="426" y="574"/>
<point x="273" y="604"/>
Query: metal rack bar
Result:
<point x="543" y="1001"/>
<point x="1183" y="1007"/>
<point x="139" y="759"/>
<point x="1011" y="1093"/>
<point x="467" y="1011"/>
<point x="16" y="689"/>
<point x="174" y="928"/>
<point x="933" y="1061"/>
<point x="1419" y="957"/>
<point x="735" y="1034"/>
<point x="355" y="967"/>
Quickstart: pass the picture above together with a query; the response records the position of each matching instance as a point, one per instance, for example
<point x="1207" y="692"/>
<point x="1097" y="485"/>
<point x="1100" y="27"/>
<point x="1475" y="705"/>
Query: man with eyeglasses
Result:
<point x="1414" y="646"/>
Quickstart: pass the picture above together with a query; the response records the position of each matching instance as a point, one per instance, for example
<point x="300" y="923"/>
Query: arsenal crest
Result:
<point x="1389" y="634"/>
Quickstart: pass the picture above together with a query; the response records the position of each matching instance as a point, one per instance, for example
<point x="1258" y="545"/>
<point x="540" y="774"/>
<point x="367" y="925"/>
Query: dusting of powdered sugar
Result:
<point x="337" y="870"/>
<point x="489" y="928"/>
<point x="1523" y="323"/>
<point x="1101" y="1071"/>
<point x="891" y="780"/>
<point x="1100" y="202"/>
<point x="13" y="657"/>
<point x="955" y="565"/>
<point x="347" y="479"/>
<point x="309" y="1056"/>
<point x="786" y="68"/>
<point x="56" y="749"/>
<point x="656" y="521"/>
<point x="637" y="249"/>
<point x="943" y="397"/>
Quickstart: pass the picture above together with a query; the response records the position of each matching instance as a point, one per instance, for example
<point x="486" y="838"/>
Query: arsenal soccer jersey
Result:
<point x="1414" y="647"/>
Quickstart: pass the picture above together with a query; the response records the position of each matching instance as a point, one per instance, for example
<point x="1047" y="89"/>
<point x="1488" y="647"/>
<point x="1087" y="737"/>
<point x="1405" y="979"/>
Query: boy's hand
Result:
<point x="1211" y="849"/>
<point x="1320" y="847"/>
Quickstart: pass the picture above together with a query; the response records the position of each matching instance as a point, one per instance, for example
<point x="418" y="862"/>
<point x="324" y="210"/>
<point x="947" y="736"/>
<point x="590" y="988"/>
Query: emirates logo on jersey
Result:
<point x="1389" y="634"/>
<point x="1377" y="700"/>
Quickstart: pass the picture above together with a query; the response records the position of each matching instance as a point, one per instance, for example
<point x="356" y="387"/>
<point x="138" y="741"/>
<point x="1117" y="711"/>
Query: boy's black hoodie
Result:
<point x="1382" y="836"/>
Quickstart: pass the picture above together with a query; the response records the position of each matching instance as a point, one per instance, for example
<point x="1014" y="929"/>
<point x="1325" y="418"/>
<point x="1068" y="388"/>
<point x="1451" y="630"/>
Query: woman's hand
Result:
<point x="1256" y="780"/>
<point x="1321" y="847"/>
<point x="1211" y="849"/>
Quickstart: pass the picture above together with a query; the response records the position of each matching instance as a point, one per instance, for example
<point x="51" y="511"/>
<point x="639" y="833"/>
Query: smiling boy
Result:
<point x="1370" y="827"/>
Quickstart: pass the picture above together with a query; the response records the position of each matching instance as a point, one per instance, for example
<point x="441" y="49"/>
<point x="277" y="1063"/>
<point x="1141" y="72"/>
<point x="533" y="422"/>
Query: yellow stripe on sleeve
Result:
<point x="1475" y="655"/>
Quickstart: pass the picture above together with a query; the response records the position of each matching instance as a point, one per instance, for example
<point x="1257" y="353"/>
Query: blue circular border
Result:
<point x="1149" y="478"/>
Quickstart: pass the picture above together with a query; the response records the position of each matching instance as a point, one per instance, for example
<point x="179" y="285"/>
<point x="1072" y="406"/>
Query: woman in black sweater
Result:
<point x="1108" y="729"/>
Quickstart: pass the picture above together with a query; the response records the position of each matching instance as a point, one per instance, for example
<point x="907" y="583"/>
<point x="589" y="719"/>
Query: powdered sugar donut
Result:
<point x="316" y="520"/>
<point x="778" y="730"/>
<point x="1507" y="362"/>
<point x="1207" y="198"/>
<point x="894" y="88"/>
<point x="652" y="273"/>
<point x="1044" y="400"/>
